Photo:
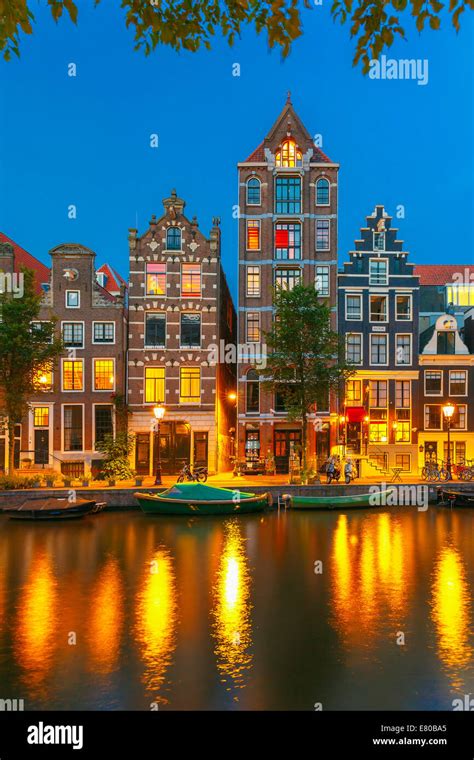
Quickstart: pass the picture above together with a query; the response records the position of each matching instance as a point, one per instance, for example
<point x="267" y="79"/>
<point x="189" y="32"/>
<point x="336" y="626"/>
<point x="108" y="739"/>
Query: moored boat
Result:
<point x="349" y="501"/>
<point x="199" y="499"/>
<point x="451" y="497"/>
<point x="53" y="508"/>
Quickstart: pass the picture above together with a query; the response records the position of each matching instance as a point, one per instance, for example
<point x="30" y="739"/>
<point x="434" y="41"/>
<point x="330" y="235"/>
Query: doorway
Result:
<point x="175" y="447"/>
<point x="41" y="454"/>
<point x="285" y="442"/>
<point x="354" y="437"/>
<point x="200" y="449"/>
<point x="142" y="453"/>
<point x="431" y="451"/>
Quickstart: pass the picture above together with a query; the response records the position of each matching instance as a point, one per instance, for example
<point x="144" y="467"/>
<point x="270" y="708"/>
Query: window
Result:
<point x="402" y="394"/>
<point x="154" y="385"/>
<point x="378" y="394"/>
<point x="156" y="279"/>
<point x="288" y="195"/>
<point x="41" y="416"/>
<point x="253" y="281"/>
<point x="322" y="234"/>
<point x="402" y="427"/>
<point x="378" y="349"/>
<point x="322" y="192"/>
<point x="378" y="308"/>
<point x="288" y="241"/>
<point x="73" y="299"/>
<point x="460" y="295"/>
<point x="43" y="380"/>
<point x="403" y="308"/>
<point x="353" y="307"/>
<point x="104" y="374"/>
<point x="73" y="375"/>
<point x="41" y="327"/>
<point x="253" y="326"/>
<point x="155" y="330"/>
<point x="458" y="452"/>
<point x="354" y="348"/>
<point x="378" y="432"/>
<point x="189" y="385"/>
<point x="253" y="192"/>
<point x="103" y="422"/>
<point x="378" y="272"/>
<point x="379" y="241"/>
<point x="191" y="330"/>
<point x="403" y="461"/>
<point x="458" y="421"/>
<point x="191" y="280"/>
<point x="403" y="349"/>
<point x="322" y="280"/>
<point x="288" y="155"/>
<point x="286" y="279"/>
<point x="458" y="383"/>
<point x="446" y="342"/>
<point x="432" y="417"/>
<point x="173" y="239"/>
<point x="73" y="334"/>
<point x="101" y="278"/>
<point x="72" y="425"/>
<point x="353" y="392"/>
<point x="253" y="235"/>
<point x="252" y="392"/>
<point x="279" y="401"/>
<point x="433" y="383"/>
<point x="103" y="332"/>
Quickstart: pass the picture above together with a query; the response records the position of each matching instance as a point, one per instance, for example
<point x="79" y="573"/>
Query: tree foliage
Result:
<point x="116" y="450"/>
<point x="190" y="24"/>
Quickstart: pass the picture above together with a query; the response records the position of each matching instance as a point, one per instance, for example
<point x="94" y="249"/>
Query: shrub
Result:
<point x="116" y="465"/>
<point x="14" y="482"/>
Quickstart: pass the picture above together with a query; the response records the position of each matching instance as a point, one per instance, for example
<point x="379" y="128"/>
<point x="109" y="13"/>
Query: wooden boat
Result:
<point x="450" y="497"/>
<point x="199" y="499"/>
<point x="349" y="501"/>
<point x="53" y="508"/>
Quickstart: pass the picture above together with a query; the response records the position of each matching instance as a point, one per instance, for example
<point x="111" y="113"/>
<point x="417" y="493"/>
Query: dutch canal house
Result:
<point x="378" y="315"/>
<point x="179" y="309"/>
<point x="77" y="405"/>
<point x="287" y="234"/>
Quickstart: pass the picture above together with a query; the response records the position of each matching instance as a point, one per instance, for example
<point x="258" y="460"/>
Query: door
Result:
<point x="175" y="447"/>
<point x="285" y="442"/>
<point x="142" y="454"/>
<point x="200" y="449"/>
<point x="322" y="444"/>
<point x="354" y="437"/>
<point x="2" y="454"/>
<point x="41" y="455"/>
<point x="431" y="451"/>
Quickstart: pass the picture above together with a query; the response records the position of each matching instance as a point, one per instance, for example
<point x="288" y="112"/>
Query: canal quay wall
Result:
<point x="117" y="498"/>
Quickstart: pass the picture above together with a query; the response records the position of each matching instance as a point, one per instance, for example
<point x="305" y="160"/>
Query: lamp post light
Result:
<point x="159" y="412"/>
<point x="448" y="411"/>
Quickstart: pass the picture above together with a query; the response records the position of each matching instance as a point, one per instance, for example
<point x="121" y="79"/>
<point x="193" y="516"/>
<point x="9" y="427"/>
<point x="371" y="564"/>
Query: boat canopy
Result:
<point x="201" y="492"/>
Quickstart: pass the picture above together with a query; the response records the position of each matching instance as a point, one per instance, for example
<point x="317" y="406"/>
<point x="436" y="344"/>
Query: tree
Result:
<point x="117" y="450"/>
<point x="188" y="24"/>
<point x="25" y="353"/>
<point x="305" y="361"/>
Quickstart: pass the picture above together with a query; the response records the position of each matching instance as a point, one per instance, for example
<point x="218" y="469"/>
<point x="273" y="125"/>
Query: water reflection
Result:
<point x="105" y="626"/>
<point x="231" y="610"/>
<point x="451" y="607"/>
<point x="156" y="620"/>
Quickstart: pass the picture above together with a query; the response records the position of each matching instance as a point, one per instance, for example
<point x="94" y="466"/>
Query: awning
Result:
<point x="355" y="413"/>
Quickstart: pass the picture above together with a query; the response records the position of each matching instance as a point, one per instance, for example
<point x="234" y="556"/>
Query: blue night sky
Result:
<point x="85" y="140"/>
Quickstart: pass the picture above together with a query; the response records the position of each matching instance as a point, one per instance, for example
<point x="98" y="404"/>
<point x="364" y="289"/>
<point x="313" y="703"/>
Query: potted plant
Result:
<point x="49" y="480"/>
<point x="67" y="481"/>
<point x="86" y="478"/>
<point x="36" y="482"/>
<point x="26" y="463"/>
<point x="112" y="482"/>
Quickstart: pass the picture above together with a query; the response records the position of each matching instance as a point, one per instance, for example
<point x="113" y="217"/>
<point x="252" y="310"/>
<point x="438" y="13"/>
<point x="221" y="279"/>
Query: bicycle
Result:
<point x="433" y="472"/>
<point x="198" y="474"/>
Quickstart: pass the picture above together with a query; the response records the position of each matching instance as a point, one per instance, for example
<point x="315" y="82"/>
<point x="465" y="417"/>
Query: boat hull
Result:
<point x="351" y="501"/>
<point x="452" y="498"/>
<point x="153" y="504"/>
<point x="40" y="510"/>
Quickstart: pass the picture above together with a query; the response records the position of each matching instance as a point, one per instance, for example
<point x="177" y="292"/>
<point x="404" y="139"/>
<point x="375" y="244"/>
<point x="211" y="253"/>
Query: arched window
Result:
<point x="253" y="192"/>
<point x="173" y="239"/>
<point x="322" y="192"/>
<point x="253" y="392"/>
<point x="289" y="155"/>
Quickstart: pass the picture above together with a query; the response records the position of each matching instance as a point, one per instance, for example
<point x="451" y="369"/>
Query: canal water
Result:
<point x="365" y="610"/>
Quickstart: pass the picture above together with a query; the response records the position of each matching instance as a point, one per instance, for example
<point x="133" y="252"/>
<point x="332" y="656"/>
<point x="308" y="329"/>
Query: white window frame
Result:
<point x="410" y="300"/>
<point x="404" y="364"/>
<point x="190" y="348"/>
<point x="246" y="191"/>
<point x="328" y="271"/>
<point x="459" y="395"/>
<point x="378" y="259"/>
<point x="73" y="359"/>
<point x="184" y="295"/>
<point x="256" y="223"/>
<point x="378" y="321"/>
<point x="101" y="342"/>
<point x="379" y="335"/>
<point x="329" y="235"/>
<point x="361" y="336"/>
<point x="103" y="359"/>
<point x="78" y="451"/>
<point x="454" y="429"/>
<point x="433" y="395"/>
<point x="361" y="301"/>
<point x="191" y="403"/>
<point x="256" y="342"/>
<point x="72" y="290"/>
<point x="74" y="322"/>
<point x="440" y="417"/>
<point x="322" y="205"/>
<point x="379" y="232"/>
<point x="253" y="295"/>
<point x="151" y="312"/>
<point x="99" y="403"/>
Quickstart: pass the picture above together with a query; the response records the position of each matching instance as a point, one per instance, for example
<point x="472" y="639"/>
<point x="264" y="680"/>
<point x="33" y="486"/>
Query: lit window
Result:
<point x="402" y="394"/>
<point x="286" y="279"/>
<point x="378" y="272"/>
<point x="288" y="155"/>
<point x="104" y="374"/>
<point x="433" y="382"/>
<point x="191" y="280"/>
<point x="253" y="281"/>
<point x="43" y="380"/>
<point x="378" y="432"/>
<point x="72" y="425"/>
<point x="189" y="385"/>
<point x="41" y="416"/>
<point x="73" y="334"/>
<point x="253" y="326"/>
<point x="288" y="241"/>
<point x="253" y="235"/>
<point x="460" y="295"/>
<point x="458" y="421"/>
<point x="154" y="385"/>
<point x="173" y="239"/>
<point x="73" y="375"/>
<point x="403" y="307"/>
<point x="322" y="280"/>
<point x="322" y="235"/>
<point x="288" y="195"/>
<point x="322" y="192"/>
<point x="378" y="394"/>
<point x="73" y="299"/>
<point x="353" y="392"/>
<point x="354" y="348"/>
<point x="378" y="349"/>
<point x="354" y="307"/>
<point x="190" y="330"/>
<point x="379" y="241"/>
<point x="155" y="330"/>
<point x="104" y="332"/>
<point x="156" y="279"/>
<point x="253" y="192"/>
<point x="378" y="308"/>
<point x="403" y="349"/>
<point x="458" y="383"/>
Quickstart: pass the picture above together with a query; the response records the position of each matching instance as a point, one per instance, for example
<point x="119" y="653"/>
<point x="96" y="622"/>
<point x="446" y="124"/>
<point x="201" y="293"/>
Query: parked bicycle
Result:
<point x="433" y="471"/>
<point x="463" y="471"/>
<point x="197" y="474"/>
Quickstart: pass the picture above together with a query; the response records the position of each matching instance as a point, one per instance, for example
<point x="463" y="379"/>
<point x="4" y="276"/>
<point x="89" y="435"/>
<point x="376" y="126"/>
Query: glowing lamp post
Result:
<point x="159" y="412"/>
<point x="448" y="411"/>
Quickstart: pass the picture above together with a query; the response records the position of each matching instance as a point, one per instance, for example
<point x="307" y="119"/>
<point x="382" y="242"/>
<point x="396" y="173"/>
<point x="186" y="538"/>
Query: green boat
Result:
<point x="349" y="501"/>
<point x="199" y="499"/>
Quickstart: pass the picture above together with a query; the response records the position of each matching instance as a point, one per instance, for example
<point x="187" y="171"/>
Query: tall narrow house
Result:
<point x="287" y="234"/>
<point x="180" y="311"/>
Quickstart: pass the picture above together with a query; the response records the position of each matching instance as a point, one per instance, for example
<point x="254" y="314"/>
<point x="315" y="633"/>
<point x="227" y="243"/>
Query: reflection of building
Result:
<point x="179" y="308"/>
<point x="378" y="314"/>
<point x="288" y="234"/>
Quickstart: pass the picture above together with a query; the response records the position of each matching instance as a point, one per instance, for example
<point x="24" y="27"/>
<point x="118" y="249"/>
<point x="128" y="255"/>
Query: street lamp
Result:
<point x="448" y="411"/>
<point x="159" y="412"/>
